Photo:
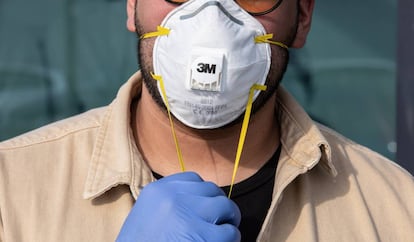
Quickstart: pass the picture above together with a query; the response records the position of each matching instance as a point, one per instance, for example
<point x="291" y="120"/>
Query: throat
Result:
<point x="210" y="153"/>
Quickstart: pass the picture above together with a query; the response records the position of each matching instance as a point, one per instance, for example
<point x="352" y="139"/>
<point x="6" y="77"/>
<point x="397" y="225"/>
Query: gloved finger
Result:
<point x="188" y="182"/>
<point x="171" y="187"/>
<point x="215" y="210"/>
<point x="219" y="233"/>
<point x="182" y="176"/>
<point x="204" y="189"/>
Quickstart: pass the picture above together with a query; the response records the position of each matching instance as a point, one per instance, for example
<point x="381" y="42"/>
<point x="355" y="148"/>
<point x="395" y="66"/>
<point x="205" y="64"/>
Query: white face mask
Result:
<point x="210" y="57"/>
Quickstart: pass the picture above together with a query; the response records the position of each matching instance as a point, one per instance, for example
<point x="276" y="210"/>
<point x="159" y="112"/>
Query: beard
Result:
<point x="278" y="66"/>
<point x="144" y="52"/>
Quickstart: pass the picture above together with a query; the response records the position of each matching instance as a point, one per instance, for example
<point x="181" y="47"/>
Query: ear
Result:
<point x="131" y="4"/>
<point x="305" y="10"/>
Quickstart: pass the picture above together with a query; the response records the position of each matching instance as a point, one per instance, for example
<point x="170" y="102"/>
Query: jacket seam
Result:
<point x="48" y="139"/>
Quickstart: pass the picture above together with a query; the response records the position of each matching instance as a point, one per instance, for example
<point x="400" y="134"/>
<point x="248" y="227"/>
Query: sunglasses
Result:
<point x="254" y="7"/>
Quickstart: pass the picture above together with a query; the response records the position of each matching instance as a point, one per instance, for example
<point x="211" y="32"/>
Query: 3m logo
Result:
<point x="206" y="68"/>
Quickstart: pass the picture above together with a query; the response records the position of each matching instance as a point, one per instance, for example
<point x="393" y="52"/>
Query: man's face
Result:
<point x="285" y="23"/>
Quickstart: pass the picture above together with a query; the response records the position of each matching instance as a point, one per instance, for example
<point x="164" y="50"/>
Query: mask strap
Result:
<point x="164" y="95"/>
<point x="243" y="133"/>
<point x="267" y="39"/>
<point x="160" y="32"/>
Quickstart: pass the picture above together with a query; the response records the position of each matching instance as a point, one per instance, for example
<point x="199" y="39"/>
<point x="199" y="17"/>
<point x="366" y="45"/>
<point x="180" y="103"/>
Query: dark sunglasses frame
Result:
<point x="277" y="4"/>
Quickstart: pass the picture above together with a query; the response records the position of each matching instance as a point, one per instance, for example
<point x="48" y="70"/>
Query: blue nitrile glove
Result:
<point x="182" y="208"/>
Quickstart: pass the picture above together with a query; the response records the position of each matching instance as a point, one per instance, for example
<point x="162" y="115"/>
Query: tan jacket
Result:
<point x="77" y="179"/>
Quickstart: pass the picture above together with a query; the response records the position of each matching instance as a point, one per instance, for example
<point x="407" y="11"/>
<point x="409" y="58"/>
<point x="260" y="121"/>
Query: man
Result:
<point x="211" y="106"/>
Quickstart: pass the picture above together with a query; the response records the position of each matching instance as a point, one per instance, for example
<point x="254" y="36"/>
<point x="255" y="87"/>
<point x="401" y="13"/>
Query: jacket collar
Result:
<point x="116" y="159"/>
<point x="304" y="146"/>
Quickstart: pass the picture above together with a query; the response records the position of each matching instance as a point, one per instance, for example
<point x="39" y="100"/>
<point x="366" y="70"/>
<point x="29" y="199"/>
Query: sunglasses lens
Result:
<point x="177" y="1"/>
<point x="257" y="6"/>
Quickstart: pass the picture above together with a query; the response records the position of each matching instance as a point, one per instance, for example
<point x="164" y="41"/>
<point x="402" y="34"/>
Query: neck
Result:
<point x="210" y="153"/>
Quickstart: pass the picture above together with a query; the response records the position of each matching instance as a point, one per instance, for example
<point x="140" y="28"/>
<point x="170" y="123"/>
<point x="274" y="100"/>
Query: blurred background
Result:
<point x="62" y="57"/>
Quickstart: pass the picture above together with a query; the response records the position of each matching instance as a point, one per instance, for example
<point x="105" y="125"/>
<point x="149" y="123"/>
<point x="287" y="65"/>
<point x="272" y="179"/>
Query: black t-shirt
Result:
<point x="253" y="197"/>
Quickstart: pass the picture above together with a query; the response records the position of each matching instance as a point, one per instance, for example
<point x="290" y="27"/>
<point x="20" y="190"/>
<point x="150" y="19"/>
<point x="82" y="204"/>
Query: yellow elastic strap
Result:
<point x="267" y="39"/>
<point x="160" y="32"/>
<point x="244" y="131"/>
<point x="164" y="95"/>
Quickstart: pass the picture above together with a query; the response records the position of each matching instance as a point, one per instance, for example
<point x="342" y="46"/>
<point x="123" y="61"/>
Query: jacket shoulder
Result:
<point x="68" y="127"/>
<point x="348" y="155"/>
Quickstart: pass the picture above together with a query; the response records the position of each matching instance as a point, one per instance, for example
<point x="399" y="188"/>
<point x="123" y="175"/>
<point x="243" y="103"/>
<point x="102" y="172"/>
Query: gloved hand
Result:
<point x="180" y="208"/>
